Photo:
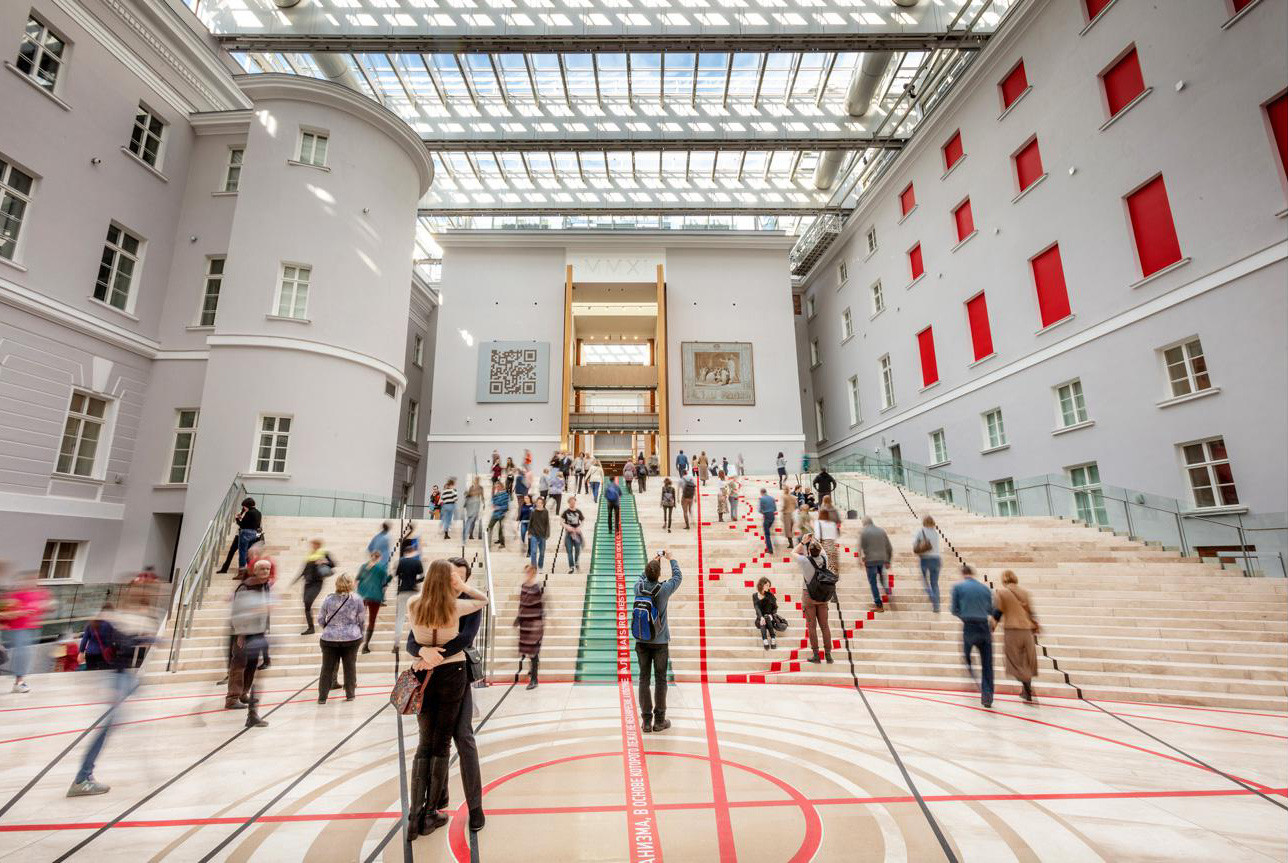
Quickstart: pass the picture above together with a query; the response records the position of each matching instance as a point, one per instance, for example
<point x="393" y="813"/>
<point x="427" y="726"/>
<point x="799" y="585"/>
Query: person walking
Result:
<point x="613" y="495"/>
<point x="704" y="467"/>
<point x="524" y="518"/>
<point x="22" y="612"/>
<point x="373" y="578"/>
<point x="788" y="510"/>
<point x="510" y="473"/>
<point x="781" y="464"/>
<point x="448" y="506"/>
<point x="500" y="506"/>
<point x="96" y="649"/>
<point x="688" y="491"/>
<point x="668" y="503"/>
<point x="1013" y="608"/>
<point x="740" y="465"/>
<point x="341" y="618"/>
<point x="766" y="606"/>
<point x="875" y="548"/>
<point x="473" y="506"/>
<point x="804" y="522"/>
<point x="925" y="544"/>
<point x="972" y="604"/>
<point x="572" y="522"/>
<point x="557" y="486"/>
<point x="382" y="543"/>
<point x="768" y="509"/>
<point x="318" y="567"/>
<point x="410" y="572"/>
<point x="641" y="472"/>
<point x="722" y="498"/>
<point x="824" y="484"/>
<point x="815" y="595"/>
<point x="543" y="483"/>
<point x="828" y="532"/>
<point x="653" y="637"/>
<point x="594" y="479"/>
<point x="249" y="614"/>
<point x="628" y="475"/>
<point x="538" y="533"/>
<point x="531" y="621"/>
<point x="682" y="464"/>
<point x="579" y="472"/>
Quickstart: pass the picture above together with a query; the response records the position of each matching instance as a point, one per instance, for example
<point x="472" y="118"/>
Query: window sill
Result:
<point x="1009" y="108"/>
<point x="287" y="319"/>
<point x="1052" y="326"/>
<point x="223" y="194"/>
<point x="1085" y="424"/>
<point x="993" y="449"/>
<point x="200" y="328"/>
<point x="1216" y="510"/>
<point x="1158" y="274"/>
<point x="297" y="163"/>
<point x="1188" y="397"/>
<point x="905" y="216"/>
<point x="964" y="240"/>
<point x="938" y="464"/>
<point x="841" y="284"/>
<point x="1237" y="16"/>
<point x="1132" y="104"/>
<point x="815" y="366"/>
<point x="71" y="477"/>
<point x="982" y="360"/>
<point x="1282" y="214"/>
<point x="1099" y="15"/>
<point x="873" y="316"/>
<point x="955" y="166"/>
<point x="1027" y="189"/>
<point x="31" y="83"/>
<point x="856" y="423"/>
<point x="17" y="266"/>
<point x="914" y="281"/>
<point x="869" y="255"/>
<point x="265" y="475"/>
<point x="96" y="301"/>
<point x="811" y="317"/>
<point x="887" y="409"/>
<point x="847" y="338"/>
<point x="170" y="486"/>
<point x="928" y="387"/>
<point x="151" y="169"/>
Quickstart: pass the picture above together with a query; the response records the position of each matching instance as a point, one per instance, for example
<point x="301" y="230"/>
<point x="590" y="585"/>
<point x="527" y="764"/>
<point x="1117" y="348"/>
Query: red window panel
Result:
<point x="1028" y="165"/>
<point x="1278" y="113"/>
<point x="1095" y="7"/>
<point x="953" y="150"/>
<point x="965" y="220"/>
<point x="1239" y="5"/>
<point x="1123" y="82"/>
<point x="981" y="337"/>
<point x="1151" y="222"/>
<point x="907" y="200"/>
<point x="1048" y="278"/>
<point x="926" y="345"/>
<point x="914" y="262"/>
<point x="1013" y="85"/>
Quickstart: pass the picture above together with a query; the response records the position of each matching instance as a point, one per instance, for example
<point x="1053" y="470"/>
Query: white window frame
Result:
<point x="872" y="239"/>
<point x="887" y="381"/>
<point x="814" y="360"/>
<point x="1208" y="467"/>
<point x="1188" y="357"/>
<point x="820" y="417"/>
<point x="185" y="441"/>
<point x="142" y="132"/>
<point x="413" y="420"/>
<point x="938" y="447"/>
<point x="878" y="298"/>
<point x="1006" y="500"/>
<point x="80" y="419"/>
<point x="281" y="441"/>
<point x="1078" y="400"/>
<point x="301" y="275"/>
<point x="12" y="197"/>
<point x="306" y="150"/>
<point x="41" y="51"/>
<point x="994" y="440"/>
<point x="75" y="563"/>
<point x="847" y="324"/>
<point x="843" y="272"/>
<point x="1088" y="498"/>
<point x="212" y="284"/>
<point x="856" y="415"/>
<point x="811" y="307"/>
<point x="120" y="253"/>
<point x="418" y="350"/>
<point x="233" y="169"/>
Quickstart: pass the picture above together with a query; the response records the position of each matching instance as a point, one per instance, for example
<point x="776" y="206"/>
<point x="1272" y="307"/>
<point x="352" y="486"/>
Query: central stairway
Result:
<point x="597" y="654"/>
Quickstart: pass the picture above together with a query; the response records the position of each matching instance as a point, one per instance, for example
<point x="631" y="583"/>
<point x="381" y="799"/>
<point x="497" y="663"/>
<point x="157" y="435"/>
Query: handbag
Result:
<point x="409" y="691"/>
<point x="473" y="664"/>
<point x="780" y="624"/>
<point x="332" y="615"/>
<point x="921" y="544"/>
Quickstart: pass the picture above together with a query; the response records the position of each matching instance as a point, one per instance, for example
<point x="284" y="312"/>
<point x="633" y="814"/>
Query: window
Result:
<point x="313" y="148"/>
<point x="1028" y="165"/>
<point x="981" y="336"/>
<point x="1187" y="370"/>
<point x="953" y="152"/>
<point x="844" y="271"/>
<point x="59" y="559"/>
<point x="914" y="262"/>
<point x="938" y="447"/>
<point x="878" y="298"/>
<point x="872" y="240"/>
<point x="41" y="54"/>
<point x="1123" y="82"/>
<point x="1013" y="85"/>
<point x="854" y="400"/>
<point x="116" y="269"/>
<point x="887" y="383"/>
<point x="994" y="430"/>
<point x="1277" y="112"/>
<point x="1208" y="465"/>
<point x="147" y="135"/>
<point x="86" y="420"/>
<point x="1073" y="408"/>
<point x="293" y="293"/>
<point x="1048" y="278"/>
<point x="1152" y="227"/>
<point x="926" y="348"/>
<point x="417" y="350"/>
<point x="210" y="295"/>
<point x="847" y="324"/>
<point x="1004" y="498"/>
<point x="1088" y="498"/>
<point x="274" y="435"/>
<point x="185" y="437"/>
<point x="232" y="173"/>
<point x="907" y="200"/>
<point x="813" y="353"/>
<point x="818" y="420"/>
<point x="810" y="308"/>
<point x="964" y="219"/>
<point x="391" y="389"/>
<point x="15" y="194"/>
<point x="413" y="419"/>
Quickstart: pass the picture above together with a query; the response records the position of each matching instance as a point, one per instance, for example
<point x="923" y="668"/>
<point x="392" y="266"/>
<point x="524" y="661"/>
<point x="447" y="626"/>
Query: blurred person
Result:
<point x="804" y="520"/>
<point x="579" y="473"/>
<point x="740" y="465"/>
<point x="628" y="475"/>
<point x="497" y="471"/>
<point x="382" y="543"/>
<point x="828" y="531"/>
<point x="573" y="518"/>
<point x="409" y="540"/>
<point x="722" y="498"/>
<point x="435" y="502"/>
<point x="925" y="544"/>
<point x="704" y="467"/>
<point x="682" y="464"/>
<point x="522" y="483"/>
<point x="765" y="604"/>
<point x="613" y="497"/>
<point x="688" y="492"/>
<point x="248" y="614"/>
<point x="594" y="479"/>
<point x="818" y="587"/>
<point x="341" y="616"/>
<point x="448" y="506"/>
<point x="511" y="473"/>
<point x="557" y="486"/>
<point x="373" y="578"/>
<point x="473" y="506"/>
<point x="97" y="644"/>
<point x="787" y="508"/>
<point x="410" y="572"/>
<point x="654" y="465"/>
<point x="781" y="464"/>
<point x="500" y="507"/>
<point x="876" y="551"/>
<point x="318" y="567"/>
<point x="972" y="604"/>
<point x="543" y="483"/>
<point x="724" y="465"/>
<point x="1013" y="608"/>
<point x="23" y="607"/>
<point x="538" y="533"/>
<point x="768" y="509"/>
<point x="249" y="531"/>
<point x="668" y="503"/>
<point x="531" y="621"/>
<point x="652" y="636"/>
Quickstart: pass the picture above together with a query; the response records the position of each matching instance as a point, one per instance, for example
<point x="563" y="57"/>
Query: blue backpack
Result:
<point x="644" y="616"/>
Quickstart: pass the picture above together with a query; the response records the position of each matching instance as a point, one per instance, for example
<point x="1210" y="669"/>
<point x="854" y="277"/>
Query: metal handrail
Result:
<point x="489" y="619"/>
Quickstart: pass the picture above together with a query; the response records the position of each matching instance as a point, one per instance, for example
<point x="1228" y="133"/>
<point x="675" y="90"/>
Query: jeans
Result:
<point x="975" y="634"/>
<point x="523" y="532"/>
<point x="336" y="653"/>
<point x="930" y="577"/>
<point x="449" y="512"/>
<point x="123" y="685"/>
<point x="768" y="524"/>
<point x="875" y="572"/>
<point x="498" y="519"/>
<point x="614" y="514"/>
<point x="471" y="523"/>
<point x="686" y="507"/>
<point x="537" y="550"/>
<point x="666" y="516"/>
<point x="594" y="491"/>
<point x="573" y="547"/>
<point x="245" y="539"/>
<point x="20" y="641"/>
<point x="654" y="657"/>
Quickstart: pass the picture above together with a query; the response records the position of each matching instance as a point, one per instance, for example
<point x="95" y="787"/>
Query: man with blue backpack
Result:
<point x="653" y="637"/>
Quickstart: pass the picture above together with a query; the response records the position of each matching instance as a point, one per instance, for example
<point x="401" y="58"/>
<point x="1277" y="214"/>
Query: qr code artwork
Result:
<point x="513" y="373"/>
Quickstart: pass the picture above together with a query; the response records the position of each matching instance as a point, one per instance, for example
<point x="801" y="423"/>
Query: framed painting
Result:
<point x="717" y="373"/>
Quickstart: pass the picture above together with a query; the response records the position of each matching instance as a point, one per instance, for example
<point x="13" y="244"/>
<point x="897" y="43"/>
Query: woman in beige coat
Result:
<point x="1015" y="612"/>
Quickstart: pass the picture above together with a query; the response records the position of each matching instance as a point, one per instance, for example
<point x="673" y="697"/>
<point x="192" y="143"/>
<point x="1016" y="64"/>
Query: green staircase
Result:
<point x="597" y="649"/>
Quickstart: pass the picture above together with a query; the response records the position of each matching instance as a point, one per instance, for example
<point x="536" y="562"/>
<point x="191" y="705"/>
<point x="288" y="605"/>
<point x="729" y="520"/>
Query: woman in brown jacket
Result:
<point x="1014" y="610"/>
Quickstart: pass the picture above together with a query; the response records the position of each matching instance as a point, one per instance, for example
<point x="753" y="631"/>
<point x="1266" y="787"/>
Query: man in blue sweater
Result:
<point x="613" y="494"/>
<point x="654" y="653"/>
<point x="500" y="506"/>
<point x="973" y="604"/>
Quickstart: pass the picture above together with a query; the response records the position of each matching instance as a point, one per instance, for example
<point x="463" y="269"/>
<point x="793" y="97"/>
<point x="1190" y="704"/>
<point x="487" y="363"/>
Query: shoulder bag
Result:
<point x="921" y="542"/>
<point x="409" y="691"/>
<point x="331" y="616"/>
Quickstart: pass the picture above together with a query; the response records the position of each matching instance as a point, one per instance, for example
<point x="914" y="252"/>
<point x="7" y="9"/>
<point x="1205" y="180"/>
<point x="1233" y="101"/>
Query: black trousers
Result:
<point x="336" y="653"/>
<point x="440" y="710"/>
<point x="666" y="516"/>
<point x="232" y="552"/>
<point x="654" y="657"/>
<point x="311" y="591"/>
<point x="468" y="750"/>
<point x="614" y="514"/>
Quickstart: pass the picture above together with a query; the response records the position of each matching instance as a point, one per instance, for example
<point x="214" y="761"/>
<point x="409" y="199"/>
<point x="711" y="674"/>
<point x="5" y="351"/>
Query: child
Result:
<point x="531" y="621"/>
<point x="766" y="605"/>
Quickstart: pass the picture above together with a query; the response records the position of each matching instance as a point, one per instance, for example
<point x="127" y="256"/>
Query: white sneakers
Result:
<point x="21" y="686"/>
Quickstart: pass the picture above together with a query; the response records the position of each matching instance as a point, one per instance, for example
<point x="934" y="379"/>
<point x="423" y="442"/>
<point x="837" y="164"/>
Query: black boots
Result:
<point x="532" y="672"/>
<point x="432" y="819"/>
<point x="1028" y="691"/>
<point x="660" y="722"/>
<point x="428" y="793"/>
<point x="416" y="803"/>
<point x="366" y="645"/>
<point x="647" y="724"/>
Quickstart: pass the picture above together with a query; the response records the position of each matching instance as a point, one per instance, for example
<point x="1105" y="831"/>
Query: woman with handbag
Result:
<point x="341" y="616"/>
<point x="318" y="566"/>
<point x="766" y="605"/>
<point x="435" y="620"/>
<point x="925" y="544"/>
<point x="1014" y="609"/>
<point x="829" y="531"/>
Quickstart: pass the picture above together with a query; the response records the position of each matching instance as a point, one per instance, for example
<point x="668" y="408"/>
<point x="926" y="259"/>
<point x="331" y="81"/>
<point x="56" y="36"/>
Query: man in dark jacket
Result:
<point x="654" y="653"/>
<point x="824" y="484"/>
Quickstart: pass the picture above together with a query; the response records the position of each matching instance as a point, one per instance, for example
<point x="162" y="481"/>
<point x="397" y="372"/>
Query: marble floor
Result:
<point x="748" y="772"/>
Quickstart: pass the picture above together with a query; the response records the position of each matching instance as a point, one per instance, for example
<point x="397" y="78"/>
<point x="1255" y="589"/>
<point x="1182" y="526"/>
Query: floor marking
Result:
<point x="50" y="766"/>
<point x="145" y="700"/>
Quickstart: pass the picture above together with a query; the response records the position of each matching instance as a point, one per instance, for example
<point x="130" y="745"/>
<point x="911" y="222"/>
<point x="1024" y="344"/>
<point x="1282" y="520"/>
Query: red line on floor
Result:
<point x="724" y="822"/>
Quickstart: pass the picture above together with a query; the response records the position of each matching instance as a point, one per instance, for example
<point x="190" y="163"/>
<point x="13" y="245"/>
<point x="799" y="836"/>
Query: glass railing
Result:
<point x="316" y="503"/>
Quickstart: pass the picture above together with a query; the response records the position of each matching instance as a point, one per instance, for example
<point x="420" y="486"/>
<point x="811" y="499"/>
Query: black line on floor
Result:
<point x="173" y="779"/>
<point x="50" y="766"/>
<point x="907" y="778"/>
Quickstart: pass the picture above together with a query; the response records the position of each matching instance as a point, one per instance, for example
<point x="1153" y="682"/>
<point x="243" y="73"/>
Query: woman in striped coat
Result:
<point x="531" y="621"/>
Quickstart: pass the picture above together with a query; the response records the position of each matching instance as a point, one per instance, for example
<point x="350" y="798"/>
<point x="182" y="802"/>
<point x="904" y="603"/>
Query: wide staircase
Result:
<point x="597" y="653"/>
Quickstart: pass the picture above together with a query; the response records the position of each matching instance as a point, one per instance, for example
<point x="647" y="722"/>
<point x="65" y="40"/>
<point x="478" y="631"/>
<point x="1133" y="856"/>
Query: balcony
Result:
<point x="614" y="376"/>
<point x="611" y="419"/>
